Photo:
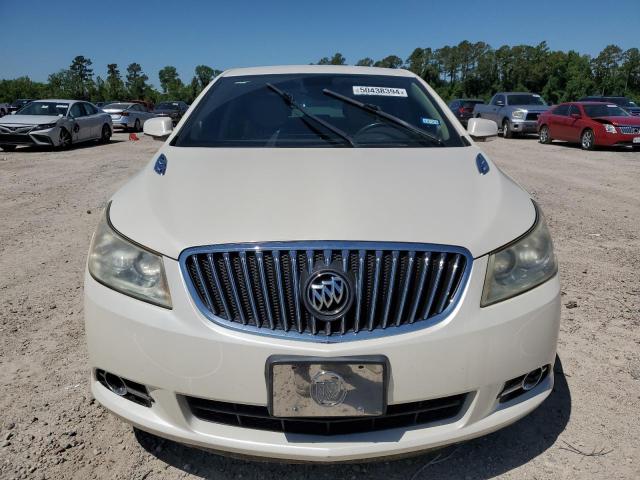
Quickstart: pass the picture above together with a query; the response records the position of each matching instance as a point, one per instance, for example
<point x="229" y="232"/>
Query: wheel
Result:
<point x="106" y="134"/>
<point x="65" y="139"/>
<point x="136" y="126"/>
<point x="587" y="140"/>
<point x="544" y="136"/>
<point x="8" y="148"/>
<point x="506" y="129"/>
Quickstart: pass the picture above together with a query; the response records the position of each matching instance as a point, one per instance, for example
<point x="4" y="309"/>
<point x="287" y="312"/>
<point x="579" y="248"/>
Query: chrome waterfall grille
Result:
<point x="326" y="291"/>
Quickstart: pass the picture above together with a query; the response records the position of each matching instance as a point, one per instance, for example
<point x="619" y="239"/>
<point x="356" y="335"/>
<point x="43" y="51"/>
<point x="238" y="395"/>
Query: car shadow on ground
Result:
<point x="576" y="146"/>
<point x="77" y="146"/>
<point x="482" y="458"/>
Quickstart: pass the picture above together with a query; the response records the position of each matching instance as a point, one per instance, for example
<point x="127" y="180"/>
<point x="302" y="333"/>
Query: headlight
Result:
<point x="119" y="264"/>
<point x="44" y="126"/>
<point x="518" y="114"/>
<point x="520" y="266"/>
<point x="609" y="128"/>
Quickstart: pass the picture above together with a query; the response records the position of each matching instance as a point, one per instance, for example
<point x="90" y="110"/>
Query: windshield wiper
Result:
<point x="291" y="102"/>
<point x="381" y="113"/>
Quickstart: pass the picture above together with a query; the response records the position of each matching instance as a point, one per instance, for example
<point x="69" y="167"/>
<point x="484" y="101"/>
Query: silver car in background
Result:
<point x="54" y="123"/>
<point x="128" y="115"/>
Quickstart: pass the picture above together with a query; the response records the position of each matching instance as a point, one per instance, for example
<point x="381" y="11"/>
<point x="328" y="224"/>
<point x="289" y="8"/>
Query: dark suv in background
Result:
<point x="462" y="108"/>
<point x="19" y="103"/>
<point x="175" y="110"/>
<point x="623" y="102"/>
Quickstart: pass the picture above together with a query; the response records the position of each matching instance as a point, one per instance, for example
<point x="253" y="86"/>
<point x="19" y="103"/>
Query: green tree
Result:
<point x="81" y="77"/>
<point x="336" y="59"/>
<point x="392" y="61"/>
<point x="114" y="86"/>
<point x="365" y="62"/>
<point x="204" y="75"/>
<point x="136" y="81"/>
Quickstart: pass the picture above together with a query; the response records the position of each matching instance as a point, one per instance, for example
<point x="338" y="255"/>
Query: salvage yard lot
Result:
<point x="50" y="428"/>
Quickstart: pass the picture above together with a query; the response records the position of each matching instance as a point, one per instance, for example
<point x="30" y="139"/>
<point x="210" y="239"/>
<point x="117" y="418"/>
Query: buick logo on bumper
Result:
<point x="327" y="293"/>
<point x="328" y="389"/>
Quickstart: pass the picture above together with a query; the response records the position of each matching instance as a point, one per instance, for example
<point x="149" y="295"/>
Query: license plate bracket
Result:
<point x="300" y="386"/>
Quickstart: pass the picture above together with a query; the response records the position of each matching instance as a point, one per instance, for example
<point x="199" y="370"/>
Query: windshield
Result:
<point x="116" y="106"/>
<point x="525" y="99"/>
<point x="244" y="111"/>
<point x="44" y="108"/>
<point x="167" y="106"/>
<point x="19" y="102"/>
<point x="604" y="110"/>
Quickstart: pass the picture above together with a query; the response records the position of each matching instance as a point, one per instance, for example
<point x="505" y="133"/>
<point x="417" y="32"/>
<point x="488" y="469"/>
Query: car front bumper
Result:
<point x="524" y="126"/>
<point x="48" y="138"/>
<point x="179" y="352"/>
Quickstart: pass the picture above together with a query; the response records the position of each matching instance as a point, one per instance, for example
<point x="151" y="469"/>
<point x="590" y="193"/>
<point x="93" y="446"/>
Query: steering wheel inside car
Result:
<point x="371" y="133"/>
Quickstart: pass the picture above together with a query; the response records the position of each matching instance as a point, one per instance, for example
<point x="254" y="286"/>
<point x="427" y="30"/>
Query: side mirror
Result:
<point x="159" y="127"/>
<point x="482" y="130"/>
<point x="500" y="103"/>
<point x="576" y="115"/>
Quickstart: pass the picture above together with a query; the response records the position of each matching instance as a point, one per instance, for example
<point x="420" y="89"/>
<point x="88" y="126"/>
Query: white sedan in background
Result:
<point x="128" y="115"/>
<point x="54" y="123"/>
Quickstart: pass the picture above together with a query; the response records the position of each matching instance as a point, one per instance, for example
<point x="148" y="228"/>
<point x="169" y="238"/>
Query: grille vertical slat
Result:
<point x="359" y="289"/>
<point x="394" y="268"/>
<point x="247" y="282"/>
<point x="345" y="268"/>
<point x="205" y="290"/>
<point x="374" y="293"/>
<point x="420" y="287"/>
<point x="435" y="285"/>
<point x="234" y="288"/>
<point x="405" y="287"/>
<point x="265" y="289"/>
<point x="218" y="285"/>
<point x="310" y="261"/>
<point x="295" y="278"/>
<point x="283" y="308"/>
<point x="450" y="276"/>
<point x="261" y="288"/>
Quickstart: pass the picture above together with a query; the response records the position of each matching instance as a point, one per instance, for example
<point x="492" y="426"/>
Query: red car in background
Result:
<point x="590" y="124"/>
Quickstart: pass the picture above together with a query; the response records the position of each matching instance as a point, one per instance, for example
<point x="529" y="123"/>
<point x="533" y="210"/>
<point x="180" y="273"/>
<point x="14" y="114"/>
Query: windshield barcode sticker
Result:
<point x="383" y="91"/>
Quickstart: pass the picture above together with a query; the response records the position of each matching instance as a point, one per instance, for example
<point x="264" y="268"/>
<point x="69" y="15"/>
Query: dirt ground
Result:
<point x="51" y="428"/>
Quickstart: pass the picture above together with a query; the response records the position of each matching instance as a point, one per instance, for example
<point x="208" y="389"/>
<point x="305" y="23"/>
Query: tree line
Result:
<point x="464" y="70"/>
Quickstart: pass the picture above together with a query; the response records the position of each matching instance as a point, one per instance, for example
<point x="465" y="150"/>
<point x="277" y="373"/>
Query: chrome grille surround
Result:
<point x="415" y="285"/>
<point x="629" y="129"/>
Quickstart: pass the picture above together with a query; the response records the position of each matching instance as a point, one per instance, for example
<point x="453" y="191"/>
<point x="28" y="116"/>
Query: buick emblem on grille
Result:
<point x="328" y="389"/>
<point x="327" y="293"/>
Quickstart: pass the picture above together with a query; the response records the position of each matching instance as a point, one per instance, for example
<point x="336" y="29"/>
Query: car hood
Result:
<point x="28" y="119"/>
<point x="531" y="108"/>
<point x="619" y="120"/>
<point x="234" y="195"/>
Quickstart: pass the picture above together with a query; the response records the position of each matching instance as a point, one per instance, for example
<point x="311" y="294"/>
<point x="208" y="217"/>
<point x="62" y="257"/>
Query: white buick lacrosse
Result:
<point x="319" y="264"/>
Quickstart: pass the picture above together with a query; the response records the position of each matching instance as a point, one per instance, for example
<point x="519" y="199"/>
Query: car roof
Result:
<point x="335" y="69"/>
<point x="516" y="93"/>
<point x="59" y="100"/>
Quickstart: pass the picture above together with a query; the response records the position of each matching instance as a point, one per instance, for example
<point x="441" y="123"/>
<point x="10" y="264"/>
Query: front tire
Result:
<point x="105" y="137"/>
<point x="544" y="136"/>
<point x="8" y="148"/>
<point x="64" y="142"/>
<point x="506" y="129"/>
<point x="587" y="140"/>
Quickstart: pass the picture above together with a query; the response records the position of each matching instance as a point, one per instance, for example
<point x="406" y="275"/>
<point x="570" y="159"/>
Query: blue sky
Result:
<point x="40" y="37"/>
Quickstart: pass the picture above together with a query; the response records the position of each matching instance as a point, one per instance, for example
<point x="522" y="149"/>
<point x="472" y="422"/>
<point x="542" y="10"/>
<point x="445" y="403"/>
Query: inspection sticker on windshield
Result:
<point x="430" y="121"/>
<point x="381" y="91"/>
